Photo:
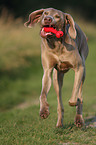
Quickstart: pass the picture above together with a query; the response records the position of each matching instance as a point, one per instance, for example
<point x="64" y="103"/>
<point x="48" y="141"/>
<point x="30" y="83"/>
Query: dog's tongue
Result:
<point x="49" y="30"/>
<point x="44" y="34"/>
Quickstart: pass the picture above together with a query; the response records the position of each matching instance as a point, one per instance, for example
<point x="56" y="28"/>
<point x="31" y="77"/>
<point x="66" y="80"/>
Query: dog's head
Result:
<point x="52" y="18"/>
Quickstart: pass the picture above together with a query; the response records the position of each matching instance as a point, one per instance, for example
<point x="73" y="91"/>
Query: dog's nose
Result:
<point x="47" y="19"/>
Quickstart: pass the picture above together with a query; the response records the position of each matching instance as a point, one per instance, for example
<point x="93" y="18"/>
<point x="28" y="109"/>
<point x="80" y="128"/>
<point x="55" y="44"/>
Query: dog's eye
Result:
<point x="46" y="13"/>
<point x="57" y="16"/>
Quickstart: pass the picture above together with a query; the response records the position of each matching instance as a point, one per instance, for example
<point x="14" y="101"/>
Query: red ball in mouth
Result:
<point x="59" y="34"/>
<point x="45" y="31"/>
<point x="44" y="34"/>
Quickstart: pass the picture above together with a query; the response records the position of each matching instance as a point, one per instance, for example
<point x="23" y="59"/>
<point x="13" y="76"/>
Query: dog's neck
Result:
<point x="54" y="45"/>
<point x="54" y="42"/>
<point x="59" y="45"/>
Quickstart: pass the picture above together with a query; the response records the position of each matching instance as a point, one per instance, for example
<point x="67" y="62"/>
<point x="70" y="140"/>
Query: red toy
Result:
<point x="51" y="29"/>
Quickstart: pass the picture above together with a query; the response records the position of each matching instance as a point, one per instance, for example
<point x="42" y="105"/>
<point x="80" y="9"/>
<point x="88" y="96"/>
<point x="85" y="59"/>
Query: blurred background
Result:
<point x="20" y="8"/>
<point x="20" y="62"/>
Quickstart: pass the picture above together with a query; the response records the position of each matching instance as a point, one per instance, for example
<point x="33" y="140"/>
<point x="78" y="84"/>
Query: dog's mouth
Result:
<point x="44" y="34"/>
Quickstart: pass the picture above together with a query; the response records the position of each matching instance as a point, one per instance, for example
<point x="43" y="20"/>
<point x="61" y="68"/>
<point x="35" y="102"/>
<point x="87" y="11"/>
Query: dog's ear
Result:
<point x="34" y="17"/>
<point x="71" y="30"/>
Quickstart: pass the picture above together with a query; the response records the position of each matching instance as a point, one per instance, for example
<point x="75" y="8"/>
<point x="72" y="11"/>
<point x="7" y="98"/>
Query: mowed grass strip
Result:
<point x="20" y="86"/>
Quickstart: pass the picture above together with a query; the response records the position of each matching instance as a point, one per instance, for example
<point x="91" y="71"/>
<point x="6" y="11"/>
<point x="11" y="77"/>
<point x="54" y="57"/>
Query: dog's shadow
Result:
<point x="90" y="121"/>
<point x="69" y="128"/>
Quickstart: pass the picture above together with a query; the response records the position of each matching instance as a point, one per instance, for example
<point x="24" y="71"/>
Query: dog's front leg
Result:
<point x="79" y="72"/>
<point x="46" y="84"/>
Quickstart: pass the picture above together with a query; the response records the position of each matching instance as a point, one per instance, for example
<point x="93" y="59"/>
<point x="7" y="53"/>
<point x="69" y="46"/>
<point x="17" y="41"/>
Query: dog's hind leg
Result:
<point x="58" y="82"/>
<point x="79" y="118"/>
<point x="79" y="122"/>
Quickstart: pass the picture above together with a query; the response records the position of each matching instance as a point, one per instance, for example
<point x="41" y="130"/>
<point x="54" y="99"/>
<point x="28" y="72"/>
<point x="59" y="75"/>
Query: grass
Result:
<point x="20" y="85"/>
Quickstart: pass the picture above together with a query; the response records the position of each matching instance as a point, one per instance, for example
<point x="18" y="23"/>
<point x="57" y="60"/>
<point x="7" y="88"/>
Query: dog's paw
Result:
<point x="59" y="124"/>
<point x="72" y="103"/>
<point x="44" y="113"/>
<point x="79" y="122"/>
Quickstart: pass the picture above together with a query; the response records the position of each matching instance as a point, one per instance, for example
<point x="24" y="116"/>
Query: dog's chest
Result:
<point x="63" y="63"/>
<point x="63" y="66"/>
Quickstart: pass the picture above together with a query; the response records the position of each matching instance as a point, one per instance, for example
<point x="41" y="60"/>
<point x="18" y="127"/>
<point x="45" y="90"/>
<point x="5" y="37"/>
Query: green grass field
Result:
<point x="20" y="85"/>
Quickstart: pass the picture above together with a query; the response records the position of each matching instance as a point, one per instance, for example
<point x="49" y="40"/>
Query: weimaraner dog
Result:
<point x="60" y="55"/>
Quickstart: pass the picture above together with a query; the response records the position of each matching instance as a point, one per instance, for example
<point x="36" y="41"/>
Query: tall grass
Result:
<point x="19" y="60"/>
